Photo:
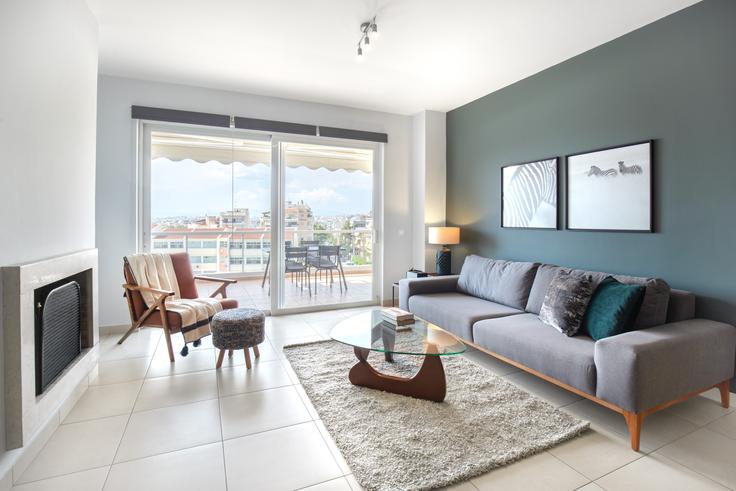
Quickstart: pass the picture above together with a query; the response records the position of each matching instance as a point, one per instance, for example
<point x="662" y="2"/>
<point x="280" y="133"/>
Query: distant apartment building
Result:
<point x="238" y="217"/>
<point x="229" y="242"/>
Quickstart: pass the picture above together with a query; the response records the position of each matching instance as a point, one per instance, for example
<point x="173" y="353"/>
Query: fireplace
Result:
<point x="58" y="326"/>
<point x="51" y="339"/>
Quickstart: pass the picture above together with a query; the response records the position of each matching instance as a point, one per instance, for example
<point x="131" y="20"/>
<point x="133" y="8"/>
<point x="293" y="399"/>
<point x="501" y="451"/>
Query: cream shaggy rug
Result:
<point x="393" y="442"/>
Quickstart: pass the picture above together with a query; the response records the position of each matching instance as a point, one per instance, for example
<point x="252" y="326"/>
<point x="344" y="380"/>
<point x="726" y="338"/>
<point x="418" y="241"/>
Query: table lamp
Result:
<point x="443" y="236"/>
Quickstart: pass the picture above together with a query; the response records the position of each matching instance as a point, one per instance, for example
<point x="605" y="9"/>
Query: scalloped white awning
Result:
<point x="202" y="149"/>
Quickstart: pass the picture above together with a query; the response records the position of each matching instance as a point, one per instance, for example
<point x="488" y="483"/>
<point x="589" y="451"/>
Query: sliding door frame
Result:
<point x="278" y="168"/>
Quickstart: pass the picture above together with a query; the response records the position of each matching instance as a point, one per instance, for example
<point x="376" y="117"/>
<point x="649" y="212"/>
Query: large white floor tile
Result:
<point x="279" y="343"/>
<point x="192" y="469"/>
<point x="657" y="430"/>
<point x="324" y="327"/>
<point x="307" y="402"/>
<point x="287" y="327"/>
<point x="119" y="371"/>
<point x="655" y="473"/>
<point x="595" y="454"/>
<point x="287" y="458"/>
<point x="195" y="361"/>
<point x="140" y="344"/>
<point x="340" y="484"/>
<point x="333" y="447"/>
<point x="268" y="353"/>
<point x="264" y="410"/>
<point x="591" y="486"/>
<point x="77" y="447"/>
<point x="354" y="486"/>
<point x="725" y="425"/>
<point x="547" y="391"/>
<point x="239" y="379"/>
<point x="707" y="452"/>
<point x="700" y="410"/>
<point x="105" y="400"/>
<point x="177" y="389"/>
<point x="91" y="480"/>
<point x="541" y="471"/>
<point x="170" y="428"/>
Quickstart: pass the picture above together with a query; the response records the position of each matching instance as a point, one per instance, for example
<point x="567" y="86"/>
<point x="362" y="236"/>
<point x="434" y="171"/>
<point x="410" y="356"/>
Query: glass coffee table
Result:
<point x="369" y="331"/>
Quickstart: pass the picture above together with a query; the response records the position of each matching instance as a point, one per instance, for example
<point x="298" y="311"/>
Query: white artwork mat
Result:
<point x="530" y="195"/>
<point x="610" y="189"/>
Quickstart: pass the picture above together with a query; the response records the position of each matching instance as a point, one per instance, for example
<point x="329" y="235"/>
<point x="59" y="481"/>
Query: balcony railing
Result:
<point x="247" y="252"/>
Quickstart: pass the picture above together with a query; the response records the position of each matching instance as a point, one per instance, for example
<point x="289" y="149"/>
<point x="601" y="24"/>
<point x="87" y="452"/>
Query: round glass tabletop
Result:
<point x="370" y="331"/>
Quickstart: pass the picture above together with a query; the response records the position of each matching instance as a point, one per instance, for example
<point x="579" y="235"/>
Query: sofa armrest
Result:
<point x="639" y="370"/>
<point x="430" y="284"/>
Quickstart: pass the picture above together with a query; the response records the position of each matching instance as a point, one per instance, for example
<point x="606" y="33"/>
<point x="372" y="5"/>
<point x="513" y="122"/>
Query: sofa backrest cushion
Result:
<point x="504" y="282"/>
<point x="653" y="310"/>
<point x="681" y="306"/>
<point x="545" y="275"/>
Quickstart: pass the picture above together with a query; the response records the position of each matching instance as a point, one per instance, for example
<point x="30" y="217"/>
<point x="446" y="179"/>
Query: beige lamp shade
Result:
<point x="444" y="235"/>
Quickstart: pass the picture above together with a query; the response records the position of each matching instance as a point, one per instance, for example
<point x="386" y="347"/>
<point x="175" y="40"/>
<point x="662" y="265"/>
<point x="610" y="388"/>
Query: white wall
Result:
<point x="48" y="93"/>
<point x="429" y="178"/>
<point x="116" y="164"/>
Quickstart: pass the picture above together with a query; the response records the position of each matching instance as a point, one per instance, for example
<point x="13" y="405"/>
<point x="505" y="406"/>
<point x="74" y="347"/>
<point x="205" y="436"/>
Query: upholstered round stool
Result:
<point x="238" y="329"/>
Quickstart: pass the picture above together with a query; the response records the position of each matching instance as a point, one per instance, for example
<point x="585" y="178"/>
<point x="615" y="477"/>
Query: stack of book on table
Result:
<point x="397" y="316"/>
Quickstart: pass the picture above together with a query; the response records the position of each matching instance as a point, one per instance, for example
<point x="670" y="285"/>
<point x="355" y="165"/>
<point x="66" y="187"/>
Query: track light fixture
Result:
<point x="368" y="30"/>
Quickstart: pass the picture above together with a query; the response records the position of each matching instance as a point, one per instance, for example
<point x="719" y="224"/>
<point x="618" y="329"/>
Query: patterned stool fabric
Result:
<point x="238" y="328"/>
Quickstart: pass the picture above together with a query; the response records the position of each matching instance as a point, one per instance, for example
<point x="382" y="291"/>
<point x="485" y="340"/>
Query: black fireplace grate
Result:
<point x="59" y="333"/>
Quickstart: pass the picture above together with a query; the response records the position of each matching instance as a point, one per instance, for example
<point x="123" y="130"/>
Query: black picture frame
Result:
<point x="557" y="193"/>
<point x="651" y="209"/>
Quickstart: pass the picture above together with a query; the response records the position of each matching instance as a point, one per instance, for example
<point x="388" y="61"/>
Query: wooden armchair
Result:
<point x="156" y="315"/>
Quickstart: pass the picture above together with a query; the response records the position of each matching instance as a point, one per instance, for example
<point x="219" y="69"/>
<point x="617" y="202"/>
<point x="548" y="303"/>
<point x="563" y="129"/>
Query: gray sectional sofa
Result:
<point x="671" y="356"/>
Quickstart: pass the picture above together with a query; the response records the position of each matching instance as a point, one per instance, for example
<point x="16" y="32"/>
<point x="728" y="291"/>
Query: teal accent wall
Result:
<point x="673" y="81"/>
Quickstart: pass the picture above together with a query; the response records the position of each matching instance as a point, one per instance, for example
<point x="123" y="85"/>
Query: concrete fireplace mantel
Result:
<point x="25" y="412"/>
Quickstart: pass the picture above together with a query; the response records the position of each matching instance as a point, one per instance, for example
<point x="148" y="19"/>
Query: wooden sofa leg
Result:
<point x="633" y="422"/>
<point x="725" y="388"/>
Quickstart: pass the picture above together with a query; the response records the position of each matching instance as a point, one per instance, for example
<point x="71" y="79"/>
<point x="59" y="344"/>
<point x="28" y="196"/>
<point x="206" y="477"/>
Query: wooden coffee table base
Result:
<point x="428" y="383"/>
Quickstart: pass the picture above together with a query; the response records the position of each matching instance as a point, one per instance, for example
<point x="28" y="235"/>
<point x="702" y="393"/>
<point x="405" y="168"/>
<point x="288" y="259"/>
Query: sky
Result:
<point x="188" y="188"/>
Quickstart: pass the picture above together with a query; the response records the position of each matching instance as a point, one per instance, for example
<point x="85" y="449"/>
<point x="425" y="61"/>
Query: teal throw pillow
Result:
<point x="612" y="309"/>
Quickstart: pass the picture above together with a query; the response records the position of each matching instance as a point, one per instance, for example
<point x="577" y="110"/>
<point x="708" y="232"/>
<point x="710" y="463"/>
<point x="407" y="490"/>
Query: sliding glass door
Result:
<point x="294" y="221"/>
<point x="326" y="204"/>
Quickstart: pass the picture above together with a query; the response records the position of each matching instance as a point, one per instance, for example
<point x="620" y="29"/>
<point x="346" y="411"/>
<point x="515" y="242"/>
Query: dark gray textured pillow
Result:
<point x="566" y="301"/>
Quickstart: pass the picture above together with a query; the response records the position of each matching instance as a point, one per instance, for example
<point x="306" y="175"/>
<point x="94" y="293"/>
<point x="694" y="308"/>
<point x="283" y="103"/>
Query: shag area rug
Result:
<point x="394" y="442"/>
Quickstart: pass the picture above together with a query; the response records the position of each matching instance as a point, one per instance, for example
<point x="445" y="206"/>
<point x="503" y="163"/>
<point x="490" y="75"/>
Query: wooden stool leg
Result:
<point x="247" y="358"/>
<point x="219" y="358"/>
<point x="256" y="352"/>
<point x="230" y="354"/>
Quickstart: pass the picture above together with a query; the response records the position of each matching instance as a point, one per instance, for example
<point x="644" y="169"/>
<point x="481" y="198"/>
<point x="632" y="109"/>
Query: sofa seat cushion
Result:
<point x="457" y="312"/>
<point x="527" y="340"/>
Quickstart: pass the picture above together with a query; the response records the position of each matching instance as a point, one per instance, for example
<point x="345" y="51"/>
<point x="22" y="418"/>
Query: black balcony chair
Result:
<point x="328" y="259"/>
<point x="287" y="243"/>
<point x="297" y="265"/>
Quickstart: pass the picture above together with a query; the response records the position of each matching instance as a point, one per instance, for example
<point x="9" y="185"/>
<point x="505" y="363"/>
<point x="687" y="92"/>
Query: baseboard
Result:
<point x="114" y="329"/>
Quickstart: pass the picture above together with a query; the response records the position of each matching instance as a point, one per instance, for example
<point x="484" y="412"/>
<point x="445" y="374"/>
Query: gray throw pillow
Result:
<point x="566" y="301"/>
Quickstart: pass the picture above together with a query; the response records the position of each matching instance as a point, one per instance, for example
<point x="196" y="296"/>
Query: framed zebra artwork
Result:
<point x="529" y="194"/>
<point x="610" y="189"/>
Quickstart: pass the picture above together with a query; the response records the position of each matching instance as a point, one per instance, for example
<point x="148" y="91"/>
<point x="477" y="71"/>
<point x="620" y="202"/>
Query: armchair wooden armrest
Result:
<point x="222" y="289"/>
<point x="165" y="293"/>
<point x="210" y="278"/>
<point x="158" y="304"/>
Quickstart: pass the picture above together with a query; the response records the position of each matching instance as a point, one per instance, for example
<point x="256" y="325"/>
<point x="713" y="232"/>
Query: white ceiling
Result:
<point x="432" y="54"/>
